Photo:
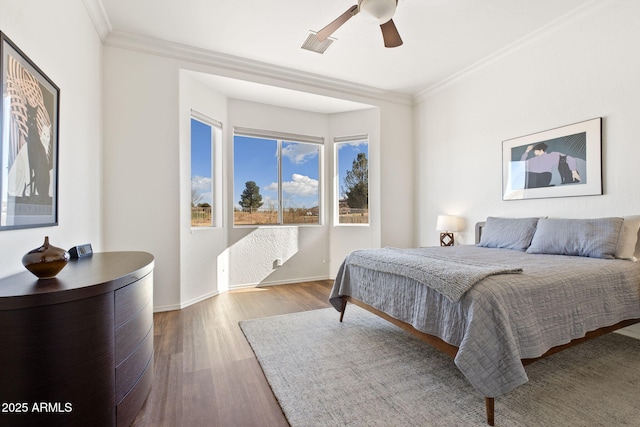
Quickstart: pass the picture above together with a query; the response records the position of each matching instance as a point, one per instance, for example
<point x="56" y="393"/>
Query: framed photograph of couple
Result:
<point x="560" y="162"/>
<point x="29" y="144"/>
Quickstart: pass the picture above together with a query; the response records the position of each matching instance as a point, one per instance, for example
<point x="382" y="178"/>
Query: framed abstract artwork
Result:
<point x="560" y="162"/>
<point x="29" y="145"/>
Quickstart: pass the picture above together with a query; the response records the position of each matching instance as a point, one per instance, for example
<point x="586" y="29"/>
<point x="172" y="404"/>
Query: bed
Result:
<point x="528" y="288"/>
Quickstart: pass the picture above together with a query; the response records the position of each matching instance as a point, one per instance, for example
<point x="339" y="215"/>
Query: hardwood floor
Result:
<point x="205" y="371"/>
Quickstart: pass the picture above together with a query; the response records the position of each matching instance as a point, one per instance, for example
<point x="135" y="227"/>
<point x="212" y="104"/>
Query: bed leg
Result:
<point x="343" y="308"/>
<point x="488" y="403"/>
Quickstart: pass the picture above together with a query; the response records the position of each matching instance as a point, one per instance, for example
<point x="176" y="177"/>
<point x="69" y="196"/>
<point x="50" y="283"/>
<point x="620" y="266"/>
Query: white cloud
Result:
<point x="200" y="183"/>
<point x="301" y="185"/>
<point x="299" y="153"/>
<point x="359" y="143"/>
<point x="202" y="186"/>
<point x="352" y="145"/>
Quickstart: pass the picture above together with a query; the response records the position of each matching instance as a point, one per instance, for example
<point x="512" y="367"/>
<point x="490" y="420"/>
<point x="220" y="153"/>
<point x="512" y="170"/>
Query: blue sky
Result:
<point x="201" y="160"/>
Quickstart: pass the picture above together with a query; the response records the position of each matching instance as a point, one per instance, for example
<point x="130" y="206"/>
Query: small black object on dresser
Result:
<point x="81" y="251"/>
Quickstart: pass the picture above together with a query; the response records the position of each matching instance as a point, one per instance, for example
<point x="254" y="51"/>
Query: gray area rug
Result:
<point x="367" y="372"/>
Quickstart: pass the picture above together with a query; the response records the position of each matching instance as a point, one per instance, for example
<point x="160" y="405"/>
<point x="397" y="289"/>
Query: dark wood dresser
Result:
<point x="77" y="350"/>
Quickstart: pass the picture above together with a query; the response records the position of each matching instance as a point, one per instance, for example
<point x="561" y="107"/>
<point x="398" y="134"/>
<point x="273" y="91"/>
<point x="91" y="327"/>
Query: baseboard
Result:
<point x="279" y="282"/>
<point x="184" y="304"/>
<point x="289" y="281"/>
<point x="162" y="308"/>
<point x="203" y="297"/>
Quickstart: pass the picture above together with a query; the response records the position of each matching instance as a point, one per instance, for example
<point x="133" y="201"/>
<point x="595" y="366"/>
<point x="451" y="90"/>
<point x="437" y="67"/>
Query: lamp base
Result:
<point x="446" y="239"/>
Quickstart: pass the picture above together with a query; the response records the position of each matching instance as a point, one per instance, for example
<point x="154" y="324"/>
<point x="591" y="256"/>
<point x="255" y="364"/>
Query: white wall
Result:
<point x="577" y="70"/>
<point x="253" y="250"/>
<point x="398" y="191"/>
<point x="142" y="164"/>
<point x="60" y="39"/>
<point x="199" y="246"/>
<point x="346" y="238"/>
<point x="147" y="99"/>
<point x="244" y="256"/>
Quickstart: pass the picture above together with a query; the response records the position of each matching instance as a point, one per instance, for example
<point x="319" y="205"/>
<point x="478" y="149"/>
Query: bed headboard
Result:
<point x="479" y="227"/>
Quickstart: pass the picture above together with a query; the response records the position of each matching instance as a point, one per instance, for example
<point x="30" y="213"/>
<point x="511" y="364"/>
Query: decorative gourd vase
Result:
<point x="46" y="261"/>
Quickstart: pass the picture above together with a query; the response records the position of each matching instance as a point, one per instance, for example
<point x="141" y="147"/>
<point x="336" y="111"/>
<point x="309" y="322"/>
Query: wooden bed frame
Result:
<point x="452" y="350"/>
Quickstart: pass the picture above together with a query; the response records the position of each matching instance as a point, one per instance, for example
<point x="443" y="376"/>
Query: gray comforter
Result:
<point x="450" y="276"/>
<point x="502" y="318"/>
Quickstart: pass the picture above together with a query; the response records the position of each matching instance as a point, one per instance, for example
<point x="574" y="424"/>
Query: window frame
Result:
<point x="336" y="173"/>
<point x="282" y="138"/>
<point x="216" y="193"/>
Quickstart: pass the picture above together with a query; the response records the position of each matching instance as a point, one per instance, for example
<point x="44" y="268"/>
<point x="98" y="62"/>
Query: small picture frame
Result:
<point x="29" y="114"/>
<point x="560" y="162"/>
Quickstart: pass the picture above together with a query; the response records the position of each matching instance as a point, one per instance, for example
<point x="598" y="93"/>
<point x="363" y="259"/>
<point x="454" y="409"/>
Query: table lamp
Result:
<point x="447" y="224"/>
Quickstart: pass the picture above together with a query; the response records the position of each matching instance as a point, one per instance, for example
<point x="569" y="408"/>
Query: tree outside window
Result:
<point x="250" y="199"/>
<point x="353" y="181"/>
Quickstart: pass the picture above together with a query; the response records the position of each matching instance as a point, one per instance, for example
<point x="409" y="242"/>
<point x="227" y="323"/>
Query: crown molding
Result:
<point x="99" y="17"/>
<point x="254" y="69"/>
<point x="553" y="26"/>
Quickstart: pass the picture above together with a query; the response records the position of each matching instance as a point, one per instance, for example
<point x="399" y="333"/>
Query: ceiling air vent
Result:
<point x="312" y="43"/>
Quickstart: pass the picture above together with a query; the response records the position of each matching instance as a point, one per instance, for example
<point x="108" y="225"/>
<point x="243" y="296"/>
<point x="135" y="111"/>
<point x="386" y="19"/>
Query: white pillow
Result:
<point x="626" y="247"/>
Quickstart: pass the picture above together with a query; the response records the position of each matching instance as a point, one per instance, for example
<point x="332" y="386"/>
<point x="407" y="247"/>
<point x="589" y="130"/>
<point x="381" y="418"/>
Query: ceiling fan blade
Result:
<point x="337" y="23"/>
<point x="390" y="34"/>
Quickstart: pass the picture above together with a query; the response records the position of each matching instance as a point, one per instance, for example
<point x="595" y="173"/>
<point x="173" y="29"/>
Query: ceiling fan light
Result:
<point x="381" y="10"/>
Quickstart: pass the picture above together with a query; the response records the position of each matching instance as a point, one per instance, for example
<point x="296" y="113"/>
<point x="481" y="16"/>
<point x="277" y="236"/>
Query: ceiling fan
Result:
<point x="382" y="10"/>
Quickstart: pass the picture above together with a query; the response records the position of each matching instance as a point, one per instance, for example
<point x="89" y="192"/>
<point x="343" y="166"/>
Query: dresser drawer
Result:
<point x="132" y="298"/>
<point x="132" y="332"/>
<point x="129" y="371"/>
<point x="128" y="408"/>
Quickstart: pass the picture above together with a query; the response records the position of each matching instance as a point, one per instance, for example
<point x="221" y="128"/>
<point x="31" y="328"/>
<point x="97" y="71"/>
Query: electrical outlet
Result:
<point x="278" y="262"/>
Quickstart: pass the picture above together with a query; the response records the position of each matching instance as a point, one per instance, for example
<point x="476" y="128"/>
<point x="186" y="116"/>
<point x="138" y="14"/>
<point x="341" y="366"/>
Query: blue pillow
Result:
<point x="596" y="238"/>
<point x="508" y="233"/>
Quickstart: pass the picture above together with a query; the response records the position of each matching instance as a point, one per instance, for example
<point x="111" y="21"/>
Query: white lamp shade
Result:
<point x="447" y="223"/>
<point x="381" y="10"/>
